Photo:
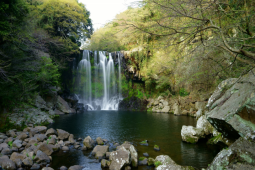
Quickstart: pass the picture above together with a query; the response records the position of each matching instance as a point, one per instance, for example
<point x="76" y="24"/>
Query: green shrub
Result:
<point x="183" y="92"/>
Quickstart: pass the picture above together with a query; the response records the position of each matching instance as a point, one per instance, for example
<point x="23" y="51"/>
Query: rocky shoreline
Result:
<point x="32" y="149"/>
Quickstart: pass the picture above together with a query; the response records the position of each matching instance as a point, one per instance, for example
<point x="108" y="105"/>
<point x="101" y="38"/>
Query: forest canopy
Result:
<point x="192" y="43"/>
<point x="37" y="37"/>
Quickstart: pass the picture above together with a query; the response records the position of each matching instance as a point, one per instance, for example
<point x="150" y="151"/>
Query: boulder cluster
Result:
<point x="32" y="148"/>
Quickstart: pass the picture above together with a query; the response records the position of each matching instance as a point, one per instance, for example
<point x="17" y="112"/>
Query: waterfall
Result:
<point x="85" y="68"/>
<point x="106" y="90"/>
<point x="119" y="69"/>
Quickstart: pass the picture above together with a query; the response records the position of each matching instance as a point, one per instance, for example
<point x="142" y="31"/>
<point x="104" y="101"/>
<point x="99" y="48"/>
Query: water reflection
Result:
<point x="158" y="128"/>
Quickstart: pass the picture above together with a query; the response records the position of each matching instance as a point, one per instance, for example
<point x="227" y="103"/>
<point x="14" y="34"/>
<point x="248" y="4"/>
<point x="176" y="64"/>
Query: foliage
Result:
<point x="183" y="92"/>
<point x="10" y="144"/>
<point x="157" y="163"/>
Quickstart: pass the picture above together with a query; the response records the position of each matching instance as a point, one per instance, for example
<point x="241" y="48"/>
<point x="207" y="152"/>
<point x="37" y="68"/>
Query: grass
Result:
<point x="157" y="163"/>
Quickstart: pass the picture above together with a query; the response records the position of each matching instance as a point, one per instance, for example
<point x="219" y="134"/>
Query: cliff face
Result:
<point x="232" y="112"/>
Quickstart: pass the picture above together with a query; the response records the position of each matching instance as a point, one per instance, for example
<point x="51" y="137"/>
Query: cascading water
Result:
<point x="85" y="80"/>
<point x="106" y="89"/>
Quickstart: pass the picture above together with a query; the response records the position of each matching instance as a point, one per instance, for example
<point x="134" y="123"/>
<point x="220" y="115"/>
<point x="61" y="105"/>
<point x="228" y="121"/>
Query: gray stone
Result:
<point x="16" y="155"/>
<point x="41" y="158"/>
<point x="119" y="159"/>
<point x="62" y="135"/>
<point x="177" y="109"/>
<point x="6" y="151"/>
<point x="100" y="141"/>
<point x="7" y="164"/>
<point x="233" y="112"/>
<point x="63" y="168"/>
<point x="100" y="151"/>
<point x="105" y="163"/>
<point x="146" y="154"/>
<point x="17" y="143"/>
<point x="18" y="163"/>
<point x="3" y="145"/>
<point x="63" y="106"/>
<point x="41" y="129"/>
<point x="45" y="148"/>
<point x="240" y="155"/>
<point x="71" y="139"/>
<point x="47" y="168"/>
<point x="28" y="161"/>
<point x="51" y="131"/>
<point x="40" y="137"/>
<point x="88" y="142"/>
<point x="107" y="155"/>
<point x="22" y="136"/>
<point x="191" y="134"/>
<point x="143" y="162"/>
<point x="65" y="148"/>
<point x="84" y="148"/>
<point x="75" y="167"/>
<point x="35" y="167"/>
<point x="166" y="109"/>
<point x="134" y="156"/>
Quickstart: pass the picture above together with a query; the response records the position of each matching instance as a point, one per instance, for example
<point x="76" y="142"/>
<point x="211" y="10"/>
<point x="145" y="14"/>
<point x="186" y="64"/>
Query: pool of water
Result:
<point x="161" y="129"/>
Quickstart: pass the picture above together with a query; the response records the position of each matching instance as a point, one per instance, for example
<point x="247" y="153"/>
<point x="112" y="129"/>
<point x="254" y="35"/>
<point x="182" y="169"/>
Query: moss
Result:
<point x="150" y="161"/>
<point x="190" y="140"/>
<point x="214" y="139"/>
<point x="141" y="158"/>
<point x="157" y="163"/>
<point x="143" y="142"/>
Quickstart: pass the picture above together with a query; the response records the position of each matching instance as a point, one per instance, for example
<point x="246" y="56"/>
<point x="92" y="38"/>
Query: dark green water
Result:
<point x="119" y="126"/>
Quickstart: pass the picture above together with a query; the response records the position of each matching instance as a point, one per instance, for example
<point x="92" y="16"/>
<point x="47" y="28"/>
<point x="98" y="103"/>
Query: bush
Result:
<point x="183" y="92"/>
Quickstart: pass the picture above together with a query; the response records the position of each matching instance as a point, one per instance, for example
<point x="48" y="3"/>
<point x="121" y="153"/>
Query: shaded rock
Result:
<point x="88" y="142"/>
<point x="28" y="162"/>
<point x="177" y="109"/>
<point x="71" y="139"/>
<point x="127" y="168"/>
<point x="52" y="141"/>
<point x="16" y="155"/>
<point x="65" y="148"/>
<point x="84" y="148"/>
<point x="105" y="163"/>
<point x="17" y="143"/>
<point x="146" y="154"/>
<point x="156" y="147"/>
<point x="203" y="123"/>
<point x="35" y="167"/>
<point x="11" y="133"/>
<point x="191" y="134"/>
<point x="22" y="136"/>
<point x="119" y="159"/>
<point x="62" y="135"/>
<point x="150" y="161"/>
<point x="100" y="141"/>
<point x="143" y="161"/>
<point x="63" y="168"/>
<point x="40" y="137"/>
<point x="63" y="106"/>
<point x="40" y="129"/>
<point x="18" y="163"/>
<point x="133" y="104"/>
<point x="100" y="151"/>
<point x="6" y="151"/>
<point x="75" y="167"/>
<point x="134" y="156"/>
<point x="3" y="145"/>
<point x="47" y="168"/>
<point x="233" y="112"/>
<point x="45" y="148"/>
<point x="7" y="164"/>
<point x="41" y="158"/>
<point x="51" y="131"/>
<point x="107" y="155"/>
<point x="240" y="155"/>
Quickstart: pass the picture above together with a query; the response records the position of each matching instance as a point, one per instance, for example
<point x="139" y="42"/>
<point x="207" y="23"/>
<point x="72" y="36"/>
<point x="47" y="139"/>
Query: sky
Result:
<point x="103" y="11"/>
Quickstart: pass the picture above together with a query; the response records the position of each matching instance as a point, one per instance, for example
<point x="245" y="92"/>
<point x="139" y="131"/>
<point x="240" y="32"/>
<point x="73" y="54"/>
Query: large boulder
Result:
<point x="100" y="151"/>
<point x="88" y="142"/>
<point x="119" y="159"/>
<point x="134" y="156"/>
<point x="191" y="134"/>
<point x="240" y="155"/>
<point x="203" y="123"/>
<point x="164" y="162"/>
<point x="7" y="164"/>
<point x="62" y="135"/>
<point x="232" y="107"/>
<point x="63" y="106"/>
